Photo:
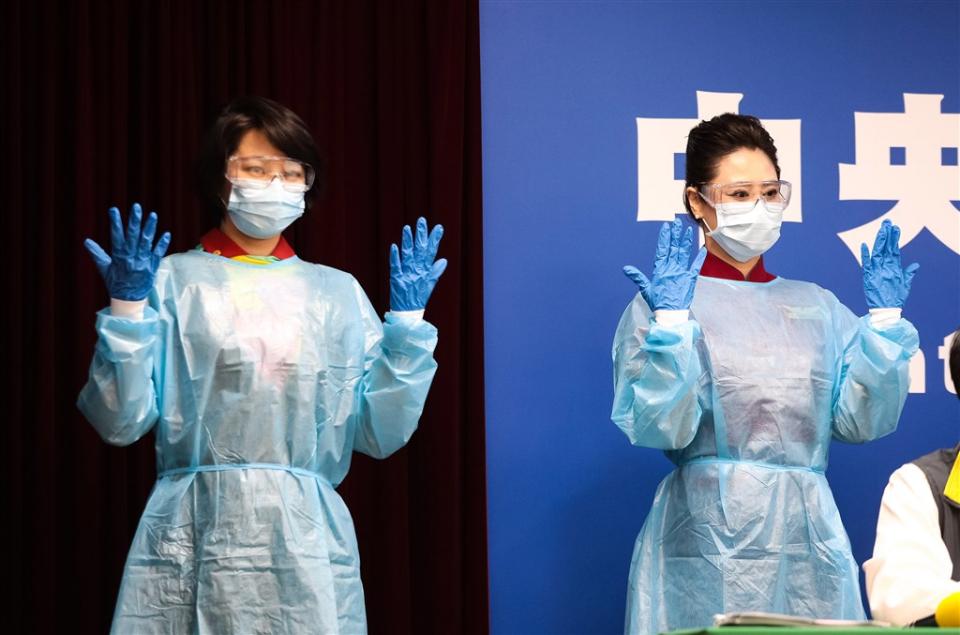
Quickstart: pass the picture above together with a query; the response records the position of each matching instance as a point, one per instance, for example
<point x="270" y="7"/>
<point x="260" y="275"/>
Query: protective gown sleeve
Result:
<point x="120" y="396"/>
<point x="398" y="370"/>
<point x="873" y="377"/>
<point x="657" y="372"/>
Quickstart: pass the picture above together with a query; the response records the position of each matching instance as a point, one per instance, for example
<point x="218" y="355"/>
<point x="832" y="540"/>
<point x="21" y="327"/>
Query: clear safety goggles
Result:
<point x="724" y="196"/>
<point x="259" y="171"/>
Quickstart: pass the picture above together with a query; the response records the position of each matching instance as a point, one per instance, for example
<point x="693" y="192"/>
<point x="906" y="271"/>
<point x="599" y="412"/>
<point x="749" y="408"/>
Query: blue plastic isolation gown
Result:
<point x="261" y="381"/>
<point x="745" y="398"/>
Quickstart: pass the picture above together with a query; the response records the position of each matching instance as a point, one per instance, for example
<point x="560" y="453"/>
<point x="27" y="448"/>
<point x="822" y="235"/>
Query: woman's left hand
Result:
<point x="885" y="283"/>
<point x="413" y="276"/>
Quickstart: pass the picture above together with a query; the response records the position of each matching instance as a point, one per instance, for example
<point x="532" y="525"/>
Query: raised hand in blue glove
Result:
<point x="885" y="283"/>
<point x="674" y="277"/>
<point x="131" y="267"/>
<point x="413" y="277"/>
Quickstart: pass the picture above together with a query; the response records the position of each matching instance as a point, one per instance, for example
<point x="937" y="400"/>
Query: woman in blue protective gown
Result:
<point x="260" y="375"/>
<point x="743" y="378"/>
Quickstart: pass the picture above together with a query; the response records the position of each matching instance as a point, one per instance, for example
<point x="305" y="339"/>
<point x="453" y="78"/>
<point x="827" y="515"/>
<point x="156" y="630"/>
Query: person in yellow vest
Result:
<point x="916" y="557"/>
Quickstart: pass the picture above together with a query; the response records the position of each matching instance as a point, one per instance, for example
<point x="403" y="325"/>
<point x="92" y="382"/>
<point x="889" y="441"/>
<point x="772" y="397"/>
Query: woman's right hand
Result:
<point x="131" y="267"/>
<point x="674" y="277"/>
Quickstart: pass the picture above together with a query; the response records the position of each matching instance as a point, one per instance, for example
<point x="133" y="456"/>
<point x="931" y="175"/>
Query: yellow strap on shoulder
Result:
<point x="952" y="488"/>
<point x="255" y="260"/>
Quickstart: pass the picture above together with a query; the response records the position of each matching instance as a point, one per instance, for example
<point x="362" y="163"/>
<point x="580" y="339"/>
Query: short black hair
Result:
<point x="955" y="361"/>
<point x="280" y="125"/>
<point x="712" y="140"/>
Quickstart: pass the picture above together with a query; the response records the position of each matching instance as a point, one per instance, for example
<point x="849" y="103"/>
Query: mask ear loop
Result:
<point x="220" y="197"/>
<point x="703" y="219"/>
<point x="686" y="202"/>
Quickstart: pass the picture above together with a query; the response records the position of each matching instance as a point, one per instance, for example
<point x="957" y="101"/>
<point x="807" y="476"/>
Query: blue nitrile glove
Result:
<point x="132" y="266"/>
<point x="674" y="278"/>
<point x="885" y="283"/>
<point x="412" y="279"/>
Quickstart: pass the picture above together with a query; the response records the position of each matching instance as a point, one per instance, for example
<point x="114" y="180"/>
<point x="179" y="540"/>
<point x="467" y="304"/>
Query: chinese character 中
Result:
<point x="660" y="195"/>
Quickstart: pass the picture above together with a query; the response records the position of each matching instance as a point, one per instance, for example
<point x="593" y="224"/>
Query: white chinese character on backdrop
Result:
<point x="924" y="138"/>
<point x="660" y="195"/>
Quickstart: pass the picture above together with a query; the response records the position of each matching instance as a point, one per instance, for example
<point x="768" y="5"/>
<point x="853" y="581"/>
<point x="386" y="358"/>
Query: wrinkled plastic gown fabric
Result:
<point x="262" y="380"/>
<point x="745" y="398"/>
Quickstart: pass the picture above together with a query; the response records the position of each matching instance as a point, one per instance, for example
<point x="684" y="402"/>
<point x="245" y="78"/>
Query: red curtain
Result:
<point x="104" y="103"/>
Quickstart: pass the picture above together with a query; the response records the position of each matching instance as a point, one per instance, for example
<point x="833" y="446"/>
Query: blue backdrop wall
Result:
<point x="585" y="110"/>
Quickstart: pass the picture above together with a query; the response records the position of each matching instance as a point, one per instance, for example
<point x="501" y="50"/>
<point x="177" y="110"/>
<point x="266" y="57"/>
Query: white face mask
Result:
<point x="264" y="213"/>
<point x="746" y="230"/>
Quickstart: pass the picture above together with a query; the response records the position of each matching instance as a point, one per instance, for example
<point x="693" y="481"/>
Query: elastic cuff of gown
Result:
<point x="669" y="335"/>
<point x="400" y="332"/>
<point x="118" y="334"/>
<point x="130" y="309"/>
<point x="124" y="339"/>
<point x="671" y="317"/>
<point x="406" y="317"/>
<point x="884" y="318"/>
<point x="901" y="333"/>
<point x="118" y="323"/>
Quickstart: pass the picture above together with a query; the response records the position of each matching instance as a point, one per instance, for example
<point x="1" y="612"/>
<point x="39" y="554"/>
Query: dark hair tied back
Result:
<point x="712" y="140"/>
